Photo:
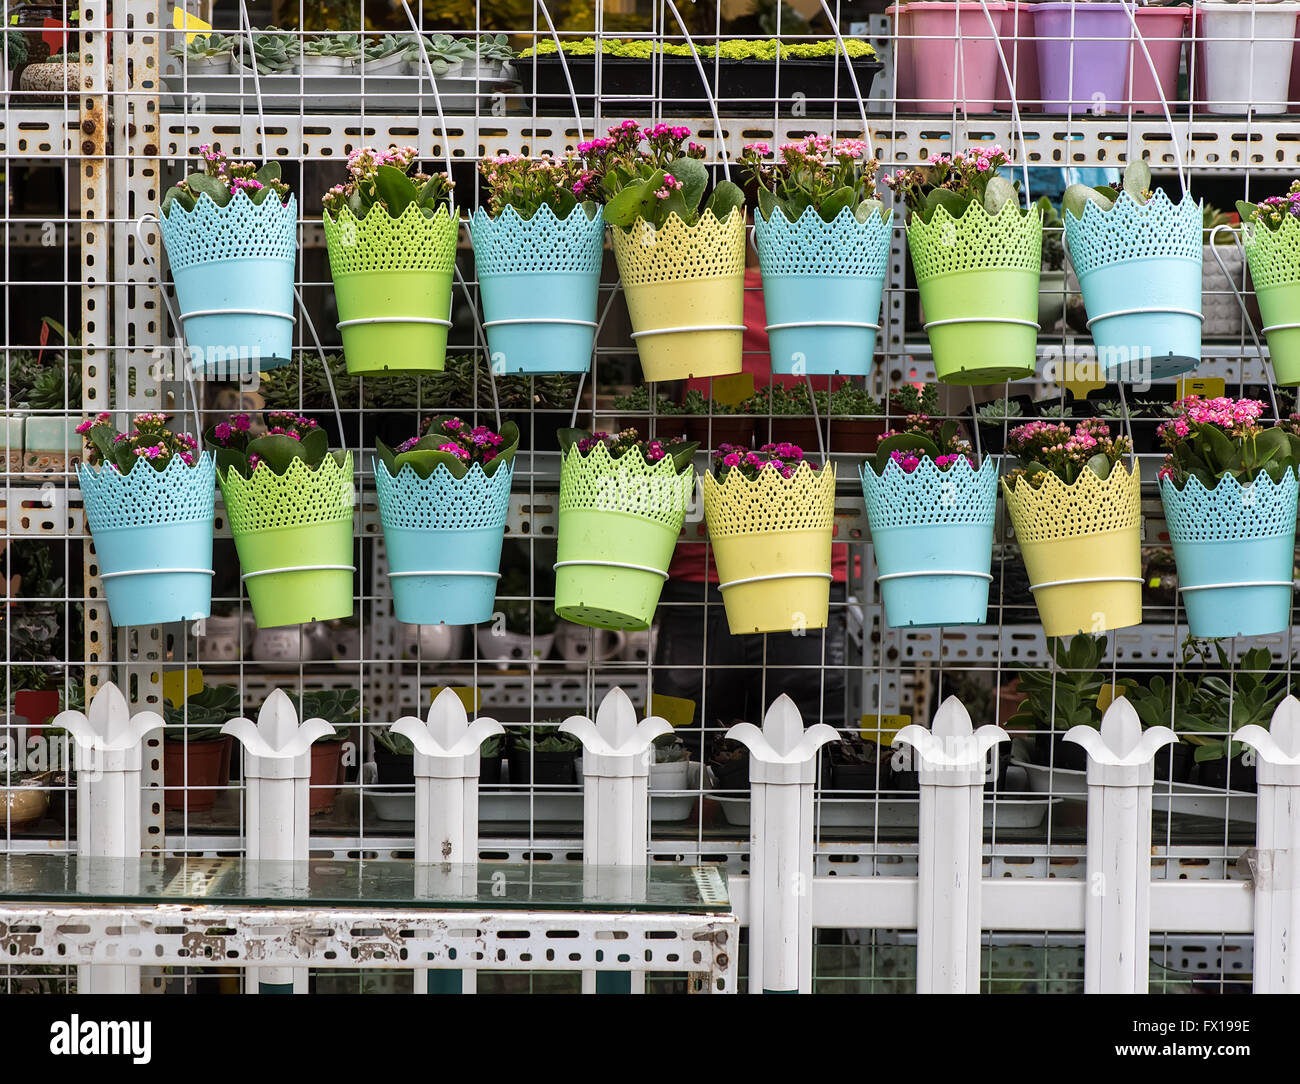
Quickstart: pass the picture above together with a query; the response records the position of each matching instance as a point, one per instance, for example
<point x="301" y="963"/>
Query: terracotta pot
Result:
<point x="794" y="430"/>
<point x="726" y="429"/>
<point x="195" y="764"/>
<point x="326" y="770"/>
<point x="856" y="436"/>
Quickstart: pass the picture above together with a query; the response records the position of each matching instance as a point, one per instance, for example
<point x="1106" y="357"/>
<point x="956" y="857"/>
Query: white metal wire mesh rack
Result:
<point x="83" y="166"/>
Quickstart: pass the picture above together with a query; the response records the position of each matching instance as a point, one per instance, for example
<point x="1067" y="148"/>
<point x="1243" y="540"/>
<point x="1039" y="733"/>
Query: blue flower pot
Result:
<point x="822" y="283"/>
<point x="1139" y="267"/>
<point x="443" y="536"/>
<point x="1235" y="549"/>
<point x="539" y="279"/>
<point x="932" y="531"/>
<point x="153" y="539"/>
<point x="233" y="270"/>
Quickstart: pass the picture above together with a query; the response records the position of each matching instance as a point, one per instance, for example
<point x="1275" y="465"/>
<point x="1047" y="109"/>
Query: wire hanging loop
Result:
<point x="324" y="361"/>
<point x="1241" y="304"/>
<point x="252" y="58"/>
<point x="1136" y="37"/>
<point x="1015" y="100"/>
<point x="433" y="82"/>
<point x="848" y="63"/>
<point x="147" y="249"/>
<point x="564" y="67"/>
<point x="708" y="91"/>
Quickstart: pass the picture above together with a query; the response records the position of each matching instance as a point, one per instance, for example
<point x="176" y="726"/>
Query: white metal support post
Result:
<point x="446" y="813"/>
<point x="1117" y="919"/>
<point x="1277" y="858"/>
<point x="109" y="758"/>
<point x="615" y="804"/>
<point x="277" y="781"/>
<point x="782" y="763"/>
<point x="952" y="770"/>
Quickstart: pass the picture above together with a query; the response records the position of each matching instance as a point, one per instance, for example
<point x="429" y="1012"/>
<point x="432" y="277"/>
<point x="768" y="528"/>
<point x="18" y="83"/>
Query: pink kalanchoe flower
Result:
<point x="222" y="432"/>
<point x="241" y="422"/>
<point x="85" y="426"/>
<point x="254" y="461"/>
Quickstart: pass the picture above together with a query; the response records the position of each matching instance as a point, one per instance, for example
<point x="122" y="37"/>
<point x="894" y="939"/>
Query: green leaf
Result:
<point x="269" y="172"/>
<point x="387" y="457"/>
<point x="672" y="204"/>
<point x="903" y="442"/>
<point x="258" y="196"/>
<point x="1137" y="180"/>
<point x="867" y="208"/>
<point x="833" y="204"/>
<point x="176" y="195"/>
<point x="1219" y="449"/>
<point x="998" y="193"/>
<point x="565" y="202"/>
<point x="694" y="176"/>
<point x="424" y="461"/>
<point x="203" y="185"/>
<point x="1078" y="196"/>
<point x="277" y="451"/>
<point x="683" y="455"/>
<point x="1100" y="465"/>
<point x="569" y="438"/>
<point x="633" y="202"/>
<point x="1247" y="211"/>
<point x="395" y="188"/>
<point x="228" y="459"/>
<point x="768" y="204"/>
<point x="954" y="204"/>
<point x="510" y="444"/>
<point x="727" y="197"/>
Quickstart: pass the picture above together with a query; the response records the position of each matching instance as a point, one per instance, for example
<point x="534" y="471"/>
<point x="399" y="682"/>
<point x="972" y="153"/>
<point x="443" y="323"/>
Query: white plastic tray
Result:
<point x="1188" y="799"/>
<point x="836" y="812"/>
<point x="326" y="93"/>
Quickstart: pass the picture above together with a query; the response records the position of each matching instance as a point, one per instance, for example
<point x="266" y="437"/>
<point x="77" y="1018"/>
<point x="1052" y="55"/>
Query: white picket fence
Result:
<point x="1117" y="906"/>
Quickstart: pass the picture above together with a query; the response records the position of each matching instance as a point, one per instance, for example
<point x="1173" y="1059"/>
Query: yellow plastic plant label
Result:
<point x="882" y="728"/>
<point x="1085" y="377"/>
<point x="733" y="390"/>
<point x="180" y="685"/>
<point x="1208" y="387"/>
<point x="468" y="695"/>
<point x="1107" y="695"/>
<point x="183" y="20"/>
<point x="678" y="710"/>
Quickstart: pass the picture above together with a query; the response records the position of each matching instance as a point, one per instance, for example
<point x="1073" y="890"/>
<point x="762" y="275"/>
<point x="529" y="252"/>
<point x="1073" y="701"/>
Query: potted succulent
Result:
<point x="681" y="258"/>
<point x="1138" y="259"/>
<point x="42" y="436"/>
<point x="289" y="502"/>
<point x="196" y="755"/>
<point x="1249" y="698"/>
<point x="1219" y="297"/>
<point x="276" y="54"/>
<point x="977" y="257"/>
<point x="394" y="759"/>
<point x="1054" y="700"/>
<point x="729" y="763"/>
<point x="538" y="246"/>
<point x="1176" y="704"/>
<point x="770" y="516"/>
<point x="995" y="420"/>
<point x="384" y="55"/>
<point x="1229" y="491"/>
<point x="622" y="504"/>
<point x="671" y="766"/>
<point x="854" y="764"/>
<point x="931" y="507"/>
<point x="1245" y="53"/>
<point x="855" y="419"/>
<point x="822" y="239"/>
<point x="339" y="708"/>
<point x="1051" y="279"/>
<point x="1271" y="230"/>
<point x="391" y="236"/>
<point x="491" y="755"/>
<point x="791" y="408"/>
<point x="443" y="498"/>
<point x="540" y="754"/>
<point x="206" y="54"/>
<point x="149" y="496"/>
<point x="1077" y="518"/>
<point x="230" y="231"/>
<point x="329" y="54"/>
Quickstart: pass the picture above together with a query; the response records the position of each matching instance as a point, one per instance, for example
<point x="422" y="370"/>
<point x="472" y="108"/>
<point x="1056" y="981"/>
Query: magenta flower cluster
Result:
<point x="782" y="458"/>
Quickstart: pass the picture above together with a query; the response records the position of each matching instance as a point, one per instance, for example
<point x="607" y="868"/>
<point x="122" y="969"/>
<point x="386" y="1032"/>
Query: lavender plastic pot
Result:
<point x="1083" y="56"/>
<point x="954" y="56"/>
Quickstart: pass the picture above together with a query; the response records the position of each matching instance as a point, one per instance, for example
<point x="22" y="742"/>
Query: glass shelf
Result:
<point x="496" y="886"/>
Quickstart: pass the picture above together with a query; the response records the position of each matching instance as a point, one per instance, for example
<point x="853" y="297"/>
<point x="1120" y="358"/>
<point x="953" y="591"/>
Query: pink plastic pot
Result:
<point x="1293" y="93"/>
<point x="1162" y="30"/>
<point x="905" y="71"/>
<point x="1083" y="56"/>
<point x="955" y="56"/>
<point x="1017" y="34"/>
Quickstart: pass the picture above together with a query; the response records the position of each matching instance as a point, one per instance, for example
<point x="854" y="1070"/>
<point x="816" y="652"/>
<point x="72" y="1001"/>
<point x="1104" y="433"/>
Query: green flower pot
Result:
<point x="1274" y="257"/>
<point x="293" y="533"/>
<point x="978" y="280"/>
<point x="619" y="522"/>
<point x="392" y="281"/>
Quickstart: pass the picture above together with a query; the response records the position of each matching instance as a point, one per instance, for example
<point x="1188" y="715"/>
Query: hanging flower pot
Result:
<point x="823" y="247"/>
<point x="289" y="503"/>
<point x="539" y="277"/>
<point x="231" y="240"/>
<point x="443" y="500"/>
<point x="770" y="528"/>
<point x="931" y="516"/>
<point x="150" y="513"/>
<point x="1138" y="261"/>
<point x="392" y="250"/>
<point x="1272" y="238"/>
<point x="622" y="505"/>
<point x="1229" y="492"/>
<point x="1079" y="532"/>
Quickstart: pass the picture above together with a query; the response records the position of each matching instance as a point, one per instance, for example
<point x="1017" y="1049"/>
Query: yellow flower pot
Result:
<point x="1082" y="548"/>
<point x="685" y="288"/>
<point x="771" y="541"/>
